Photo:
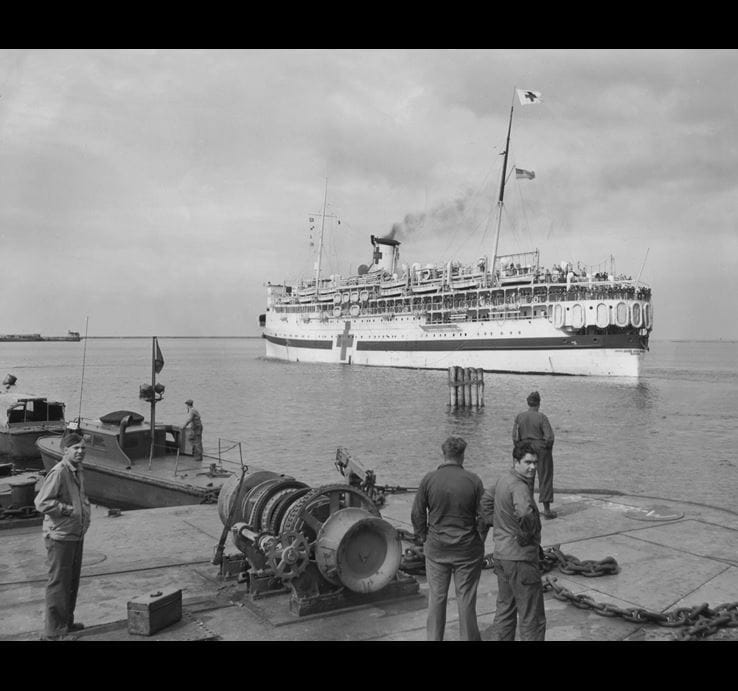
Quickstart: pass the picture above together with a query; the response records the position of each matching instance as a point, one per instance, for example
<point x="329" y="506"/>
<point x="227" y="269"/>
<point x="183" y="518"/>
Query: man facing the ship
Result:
<point x="533" y="426"/>
<point x="66" y="511"/>
<point x="511" y="509"/>
<point x="194" y="434"/>
<point x="445" y="516"/>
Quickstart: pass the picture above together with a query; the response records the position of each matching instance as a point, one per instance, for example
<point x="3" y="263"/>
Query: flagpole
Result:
<point x="153" y="398"/>
<point x="320" y="244"/>
<point x="502" y="187"/>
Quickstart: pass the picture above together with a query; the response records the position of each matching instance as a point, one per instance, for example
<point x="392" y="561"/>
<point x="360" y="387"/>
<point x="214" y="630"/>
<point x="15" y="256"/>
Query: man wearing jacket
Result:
<point x="512" y="511"/>
<point x="66" y="511"/>
<point x="446" y="517"/>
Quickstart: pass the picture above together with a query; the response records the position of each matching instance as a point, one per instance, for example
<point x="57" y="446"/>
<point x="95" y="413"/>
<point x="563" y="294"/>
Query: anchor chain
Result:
<point x="569" y="564"/>
<point x="700" y="620"/>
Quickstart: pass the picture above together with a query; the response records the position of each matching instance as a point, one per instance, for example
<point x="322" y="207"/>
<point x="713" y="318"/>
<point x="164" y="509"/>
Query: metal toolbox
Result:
<point x="150" y="613"/>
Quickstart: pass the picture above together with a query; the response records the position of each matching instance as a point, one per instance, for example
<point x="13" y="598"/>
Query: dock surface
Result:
<point x="671" y="555"/>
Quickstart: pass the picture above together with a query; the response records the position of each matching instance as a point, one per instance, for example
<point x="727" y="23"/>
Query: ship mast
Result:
<point x="502" y="188"/>
<point x="320" y="242"/>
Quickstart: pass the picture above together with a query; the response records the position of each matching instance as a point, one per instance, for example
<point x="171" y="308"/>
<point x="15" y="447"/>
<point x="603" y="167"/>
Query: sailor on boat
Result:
<point x="195" y="430"/>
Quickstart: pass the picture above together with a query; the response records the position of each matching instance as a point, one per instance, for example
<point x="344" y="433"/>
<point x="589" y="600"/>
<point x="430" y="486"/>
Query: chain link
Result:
<point x="700" y="621"/>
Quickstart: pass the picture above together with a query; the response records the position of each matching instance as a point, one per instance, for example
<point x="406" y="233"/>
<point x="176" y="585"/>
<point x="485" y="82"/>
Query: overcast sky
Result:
<point x="156" y="191"/>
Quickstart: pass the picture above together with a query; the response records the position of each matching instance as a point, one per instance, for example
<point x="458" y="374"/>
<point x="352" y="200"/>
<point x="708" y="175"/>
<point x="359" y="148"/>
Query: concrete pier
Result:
<point x="671" y="555"/>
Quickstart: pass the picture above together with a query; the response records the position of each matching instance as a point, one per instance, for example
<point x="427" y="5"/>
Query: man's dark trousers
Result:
<point x="466" y="571"/>
<point x="64" y="558"/>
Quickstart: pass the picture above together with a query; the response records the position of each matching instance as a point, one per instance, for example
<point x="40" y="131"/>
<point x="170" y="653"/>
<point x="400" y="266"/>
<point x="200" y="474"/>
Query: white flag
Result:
<point x="526" y="97"/>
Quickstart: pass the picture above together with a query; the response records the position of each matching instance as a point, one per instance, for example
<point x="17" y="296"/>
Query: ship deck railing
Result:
<point x="495" y="297"/>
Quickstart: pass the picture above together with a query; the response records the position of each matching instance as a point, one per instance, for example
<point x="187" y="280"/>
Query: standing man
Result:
<point x="445" y="517"/>
<point x="512" y="511"/>
<point x="533" y="426"/>
<point x="66" y="511"/>
<point x="195" y="432"/>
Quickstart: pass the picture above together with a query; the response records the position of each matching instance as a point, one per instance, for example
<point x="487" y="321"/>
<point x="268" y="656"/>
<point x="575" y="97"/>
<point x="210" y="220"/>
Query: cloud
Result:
<point x="185" y="177"/>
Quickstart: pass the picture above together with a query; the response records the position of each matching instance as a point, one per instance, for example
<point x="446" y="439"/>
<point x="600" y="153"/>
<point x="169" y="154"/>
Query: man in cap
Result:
<point x="195" y="430"/>
<point x="511" y="509"/>
<point x="533" y="426"/>
<point x="445" y="516"/>
<point x="66" y="511"/>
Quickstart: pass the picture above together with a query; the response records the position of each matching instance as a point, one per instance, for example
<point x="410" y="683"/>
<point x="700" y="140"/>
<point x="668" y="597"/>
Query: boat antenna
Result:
<point x="502" y="187"/>
<point x="84" y="357"/>
<point x="320" y="242"/>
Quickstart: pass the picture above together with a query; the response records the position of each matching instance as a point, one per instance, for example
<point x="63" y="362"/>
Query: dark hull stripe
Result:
<point x="300" y="342"/>
<point x="452" y="344"/>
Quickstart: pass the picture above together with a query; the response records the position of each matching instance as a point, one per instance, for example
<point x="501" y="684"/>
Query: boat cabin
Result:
<point x="24" y="409"/>
<point x="127" y="431"/>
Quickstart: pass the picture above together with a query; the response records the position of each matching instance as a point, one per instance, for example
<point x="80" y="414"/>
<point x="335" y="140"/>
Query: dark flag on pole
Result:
<point x="159" y="359"/>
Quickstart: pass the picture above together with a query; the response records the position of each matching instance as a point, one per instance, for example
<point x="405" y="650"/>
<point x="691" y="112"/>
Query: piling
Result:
<point x="466" y="387"/>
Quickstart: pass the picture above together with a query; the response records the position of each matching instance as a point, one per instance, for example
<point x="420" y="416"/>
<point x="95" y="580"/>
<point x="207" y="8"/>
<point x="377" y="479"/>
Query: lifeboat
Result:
<point x="621" y="315"/>
<point x="647" y="315"/>
<point x="636" y="315"/>
<point x="577" y="316"/>
<point x="603" y="315"/>
<point x="558" y="315"/>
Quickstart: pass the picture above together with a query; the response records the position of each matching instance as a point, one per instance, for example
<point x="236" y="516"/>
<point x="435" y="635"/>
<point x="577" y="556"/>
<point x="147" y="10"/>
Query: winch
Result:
<point x="328" y="546"/>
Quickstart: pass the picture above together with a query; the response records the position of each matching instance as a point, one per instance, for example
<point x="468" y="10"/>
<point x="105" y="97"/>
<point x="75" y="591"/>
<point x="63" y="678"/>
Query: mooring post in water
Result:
<point x="465" y="387"/>
<point x="460" y="381"/>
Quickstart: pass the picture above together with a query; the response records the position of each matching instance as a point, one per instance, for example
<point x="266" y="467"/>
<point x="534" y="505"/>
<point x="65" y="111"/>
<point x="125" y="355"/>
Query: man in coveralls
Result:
<point x="511" y="509"/>
<point x="533" y="426"/>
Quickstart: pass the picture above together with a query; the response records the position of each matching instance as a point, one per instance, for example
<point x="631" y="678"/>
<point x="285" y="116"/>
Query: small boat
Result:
<point x="120" y="471"/>
<point x="23" y="419"/>
<point x="134" y="464"/>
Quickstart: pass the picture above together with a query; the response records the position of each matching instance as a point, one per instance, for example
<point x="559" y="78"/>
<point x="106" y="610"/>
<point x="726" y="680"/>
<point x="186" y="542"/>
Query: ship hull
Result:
<point x="531" y="346"/>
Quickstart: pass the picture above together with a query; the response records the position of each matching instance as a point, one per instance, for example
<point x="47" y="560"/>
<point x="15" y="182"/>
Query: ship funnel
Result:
<point x="357" y="550"/>
<point x="386" y="254"/>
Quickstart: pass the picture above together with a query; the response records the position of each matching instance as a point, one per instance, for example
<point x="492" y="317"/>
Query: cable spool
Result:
<point x="231" y="497"/>
<point x="337" y="298"/>
<point x="364" y="295"/>
<point x="337" y="311"/>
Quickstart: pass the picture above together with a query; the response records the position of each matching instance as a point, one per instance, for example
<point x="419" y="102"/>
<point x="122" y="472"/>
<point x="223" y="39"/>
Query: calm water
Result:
<point x="670" y="434"/>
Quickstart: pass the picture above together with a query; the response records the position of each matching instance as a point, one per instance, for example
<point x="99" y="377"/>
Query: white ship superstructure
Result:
<point x="433" y="317"/>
